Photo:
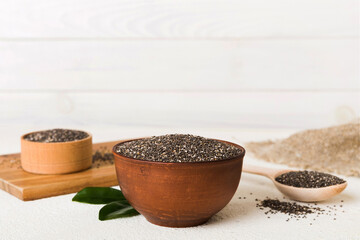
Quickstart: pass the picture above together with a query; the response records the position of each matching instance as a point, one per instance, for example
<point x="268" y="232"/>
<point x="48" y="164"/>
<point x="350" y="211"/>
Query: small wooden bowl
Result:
<point x="178" y="194"/>
<point x="56" y="158"/>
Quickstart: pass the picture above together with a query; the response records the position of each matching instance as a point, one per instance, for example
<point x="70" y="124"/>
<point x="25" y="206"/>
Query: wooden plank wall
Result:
<point x="247" y="63"/>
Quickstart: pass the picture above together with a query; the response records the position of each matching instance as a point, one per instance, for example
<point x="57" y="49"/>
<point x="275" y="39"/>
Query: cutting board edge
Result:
<point x="13" y="190"/>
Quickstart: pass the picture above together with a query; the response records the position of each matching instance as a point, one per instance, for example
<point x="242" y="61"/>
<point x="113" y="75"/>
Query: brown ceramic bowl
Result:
<point x="178" y="194"/>
<point x="56" y="157"/>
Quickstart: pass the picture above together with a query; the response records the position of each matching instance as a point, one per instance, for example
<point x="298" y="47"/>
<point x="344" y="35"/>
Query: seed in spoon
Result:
<point x="309" y="179"/>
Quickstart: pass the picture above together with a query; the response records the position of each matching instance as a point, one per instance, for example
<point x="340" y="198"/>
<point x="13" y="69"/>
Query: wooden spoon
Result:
<point x="296" y="193"/>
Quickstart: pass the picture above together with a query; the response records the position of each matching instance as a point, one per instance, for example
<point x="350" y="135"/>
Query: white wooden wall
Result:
<point x="228" y="63"/>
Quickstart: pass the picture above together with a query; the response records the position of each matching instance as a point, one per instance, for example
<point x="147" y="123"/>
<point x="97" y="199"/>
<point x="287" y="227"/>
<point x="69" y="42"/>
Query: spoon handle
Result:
<point x="264" y="171"/>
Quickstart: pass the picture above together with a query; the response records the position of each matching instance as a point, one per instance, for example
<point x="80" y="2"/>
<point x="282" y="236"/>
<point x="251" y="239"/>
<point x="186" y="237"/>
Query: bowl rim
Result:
<point x="58" y="143"/>
<point x="240" y="156"/>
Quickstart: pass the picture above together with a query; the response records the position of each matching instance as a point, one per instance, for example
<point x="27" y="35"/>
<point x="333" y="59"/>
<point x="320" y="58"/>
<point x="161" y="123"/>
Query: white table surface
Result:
<point x="60" y="218"/>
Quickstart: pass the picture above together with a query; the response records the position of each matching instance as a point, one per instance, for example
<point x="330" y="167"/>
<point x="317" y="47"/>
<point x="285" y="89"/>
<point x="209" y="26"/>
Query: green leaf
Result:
<point x="119" y="209"/>
<point x="98" y="195"/>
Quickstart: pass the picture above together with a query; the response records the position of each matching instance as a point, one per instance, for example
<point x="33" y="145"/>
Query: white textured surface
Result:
<point x="59" y="218"/>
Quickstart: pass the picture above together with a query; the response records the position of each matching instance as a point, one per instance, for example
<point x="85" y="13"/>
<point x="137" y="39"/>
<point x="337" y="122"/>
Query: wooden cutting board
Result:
<point x="27" y="186"/>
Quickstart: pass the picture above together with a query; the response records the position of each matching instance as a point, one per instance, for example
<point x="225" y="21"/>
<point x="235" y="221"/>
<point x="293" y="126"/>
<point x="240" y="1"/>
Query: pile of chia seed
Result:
<point x="56" y="135"/>
<point x="178" y="148"/>
<point x="308" y="179"/>
<point x="294" y="210"/>
<point x="291" y="208"/>
<point x="297" y="211"/>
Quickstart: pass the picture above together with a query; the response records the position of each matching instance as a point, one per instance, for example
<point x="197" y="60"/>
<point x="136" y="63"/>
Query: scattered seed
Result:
<point x="287" y="207"/>
<point x="102" y="157"/>
<point x="294" y="209"/>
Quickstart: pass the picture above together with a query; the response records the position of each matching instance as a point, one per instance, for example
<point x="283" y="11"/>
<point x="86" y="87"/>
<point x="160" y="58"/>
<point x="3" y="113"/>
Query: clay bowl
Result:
<point x="178" y="194"/>
<point x="56" y="158"/>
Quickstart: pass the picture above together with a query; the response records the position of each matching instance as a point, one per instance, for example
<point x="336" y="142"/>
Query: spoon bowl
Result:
<point x="296" y="193"/>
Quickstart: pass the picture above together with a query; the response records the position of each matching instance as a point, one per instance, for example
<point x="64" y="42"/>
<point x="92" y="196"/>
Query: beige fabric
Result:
<point x="334" y="149"/>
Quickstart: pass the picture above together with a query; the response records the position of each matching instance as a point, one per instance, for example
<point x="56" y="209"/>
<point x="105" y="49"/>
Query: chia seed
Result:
<point x="334" y="149"/>
<point x="178" y="148"/>
<point x="56" y="135"/>
<point x="290" y="208"/>
<point x="102" y="157"/>
<point x="293" y="209"/>
<point x="308" y="179"/>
